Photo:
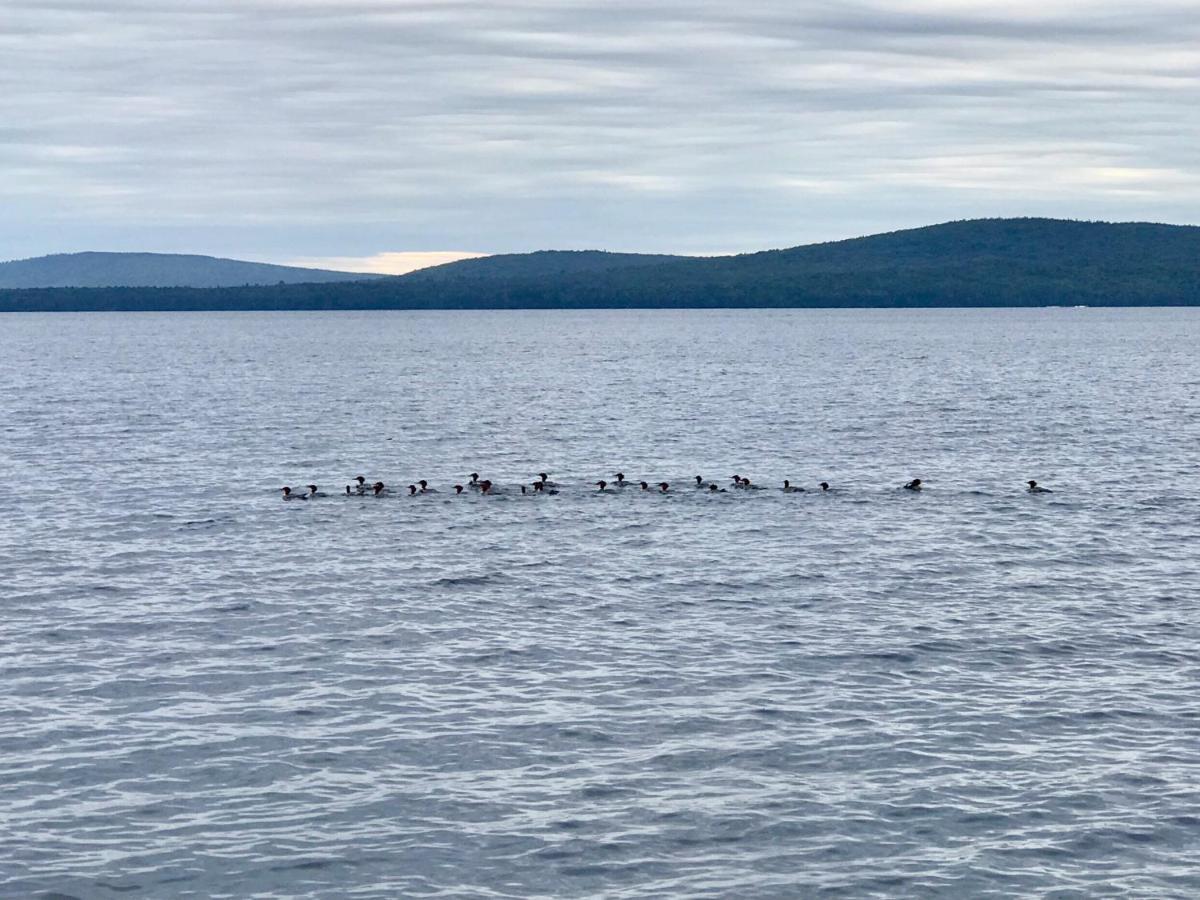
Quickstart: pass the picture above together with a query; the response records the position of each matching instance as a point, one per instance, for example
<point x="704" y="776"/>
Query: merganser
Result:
<point x="288" y="495"/>
<point x="485" y="487"/>
<point x="412" y="490"/>
<point x="737" y="480"/>
<point x="824" y="486"/>
<point x="603" y="485"/>
<point x="914" y="485"/>
<point x="699" y="482"/>
<point x="663" y="487"/>
<point x="621" y="482"/>
<point x="1035" y="488"/>
<point x="458" y="489"/>
<point x="747" y="486"/>
<point x="313" y="492"/>
<point x="539" y="487"/>
<point x="475" y="484"/>
<point x="789" y="488"/>
<point x="379" y="489"/>
<point x="645" y="486"/>
<point x="714" y="489"/>
<point x="545" y="480"/>
<point x="426" y="489"/>
<point x="361" y="487"/>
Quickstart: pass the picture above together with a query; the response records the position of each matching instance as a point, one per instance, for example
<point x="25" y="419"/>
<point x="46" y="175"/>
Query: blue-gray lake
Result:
<point x="968" y="691"/>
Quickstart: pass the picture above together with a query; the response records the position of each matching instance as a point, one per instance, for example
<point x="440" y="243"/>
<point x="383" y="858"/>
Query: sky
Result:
<point x="382" y="134"/>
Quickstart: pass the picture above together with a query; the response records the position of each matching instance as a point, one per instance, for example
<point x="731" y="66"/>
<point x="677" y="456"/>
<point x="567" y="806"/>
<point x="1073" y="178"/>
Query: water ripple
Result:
<point x="210" y="692"/>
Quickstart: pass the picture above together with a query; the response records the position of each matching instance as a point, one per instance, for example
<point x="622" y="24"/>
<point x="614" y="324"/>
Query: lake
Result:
<point x="868" y="692"/>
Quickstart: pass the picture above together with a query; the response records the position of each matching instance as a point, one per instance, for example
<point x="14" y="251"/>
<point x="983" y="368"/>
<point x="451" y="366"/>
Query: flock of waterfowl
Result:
<point x="543" y="485"/>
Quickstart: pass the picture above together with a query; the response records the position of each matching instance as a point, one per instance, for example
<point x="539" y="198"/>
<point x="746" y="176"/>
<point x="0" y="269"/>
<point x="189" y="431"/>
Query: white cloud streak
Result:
<point x="306" y="128"/>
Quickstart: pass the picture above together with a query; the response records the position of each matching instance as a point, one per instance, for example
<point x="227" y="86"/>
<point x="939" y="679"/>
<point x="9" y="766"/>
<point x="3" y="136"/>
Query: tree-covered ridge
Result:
<point x="540" y="264"/>
<point x="988" y="262"/>
<point x="154" y="270"/>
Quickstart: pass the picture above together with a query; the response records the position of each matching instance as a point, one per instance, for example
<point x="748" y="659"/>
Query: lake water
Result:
<point x="970" y="691"/>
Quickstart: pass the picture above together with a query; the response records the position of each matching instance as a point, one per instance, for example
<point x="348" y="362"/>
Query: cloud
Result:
<point x="317" y="128"/>
<point x="383" y="263"/>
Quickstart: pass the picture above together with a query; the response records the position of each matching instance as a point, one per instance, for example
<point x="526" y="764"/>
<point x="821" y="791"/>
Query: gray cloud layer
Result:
<point x="282" y="128"/>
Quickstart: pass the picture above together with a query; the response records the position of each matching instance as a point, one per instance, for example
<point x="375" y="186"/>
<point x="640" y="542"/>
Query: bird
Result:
<point x="1035" y="488"/>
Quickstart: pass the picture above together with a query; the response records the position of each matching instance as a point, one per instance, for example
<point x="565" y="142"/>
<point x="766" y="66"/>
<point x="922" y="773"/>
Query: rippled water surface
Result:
<point x="971" y="691"/>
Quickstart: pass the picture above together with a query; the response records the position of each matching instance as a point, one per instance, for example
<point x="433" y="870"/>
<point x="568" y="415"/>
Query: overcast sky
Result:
<point x="289" y="130"/>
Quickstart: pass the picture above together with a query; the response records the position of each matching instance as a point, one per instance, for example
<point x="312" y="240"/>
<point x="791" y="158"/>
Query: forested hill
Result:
<point x="543" y="264"/>
<point x="154" y="270"/>
<point x="986" y="262"/>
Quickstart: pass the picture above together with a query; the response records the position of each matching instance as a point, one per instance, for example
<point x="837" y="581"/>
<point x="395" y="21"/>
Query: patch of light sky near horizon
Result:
<point x="367" y="129"/>
<point x="382" y="263"/>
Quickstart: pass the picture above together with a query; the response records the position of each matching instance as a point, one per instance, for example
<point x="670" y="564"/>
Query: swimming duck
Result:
<point x="288" y="495"/>
<point x="378" y="489"/>
<point x="914" y="485"/>
<point x="475" y="484"/>
<point x="789" y="488"/>
<point x="1035" y="488"/>
<point x="621" y="482"/>
<point x="663" y="487"/>
<point x="603" y="485"/>
<point x="426" y="489"/>
<point x="313" y="492"/>
<point x="546" y="483"/>
<point x="824" y="485"/>
<point x="458" y="489"/>
<point x="539" y="487"/>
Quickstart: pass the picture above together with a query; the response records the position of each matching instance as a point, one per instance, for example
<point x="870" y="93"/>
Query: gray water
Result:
<point x="971" y="691"/>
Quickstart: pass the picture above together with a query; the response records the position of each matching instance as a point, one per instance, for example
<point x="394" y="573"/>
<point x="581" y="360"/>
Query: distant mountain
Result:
<point x="540" y="264"/>
<point x="102" y="270"/>
<point x="983" y="262"/>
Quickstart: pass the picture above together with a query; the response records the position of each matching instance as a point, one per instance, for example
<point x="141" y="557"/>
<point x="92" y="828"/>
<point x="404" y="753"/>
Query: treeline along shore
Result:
<point x="979" y="263"/>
